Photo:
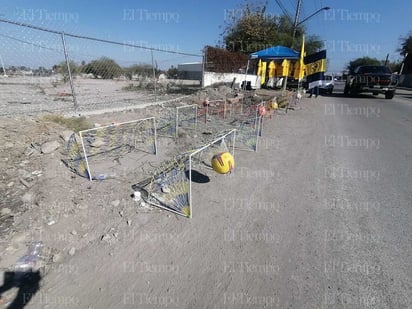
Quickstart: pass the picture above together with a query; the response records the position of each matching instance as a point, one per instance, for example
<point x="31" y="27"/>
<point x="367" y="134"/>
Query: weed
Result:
<point x="73" y="123"/>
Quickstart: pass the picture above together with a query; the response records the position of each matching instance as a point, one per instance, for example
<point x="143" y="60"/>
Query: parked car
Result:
<point x="327" y="85"/>
<point x="374" y="79"/>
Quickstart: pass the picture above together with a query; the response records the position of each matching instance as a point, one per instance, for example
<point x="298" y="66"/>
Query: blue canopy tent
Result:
<point x="275" y="53"/>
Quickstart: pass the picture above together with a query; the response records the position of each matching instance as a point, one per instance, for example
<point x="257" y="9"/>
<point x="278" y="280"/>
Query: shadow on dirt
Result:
<point x="28" y="284"/>
<point x="198" y="177"/>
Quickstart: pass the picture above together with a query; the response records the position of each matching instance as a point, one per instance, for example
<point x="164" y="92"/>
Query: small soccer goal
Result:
<point x="186" y="117"/>
<point x="219" y="115"/>
<point x="248" y="133"/>
<point x="103" y="147"/>
<point x="181" y="117"/>
<point x="170" y="185"/>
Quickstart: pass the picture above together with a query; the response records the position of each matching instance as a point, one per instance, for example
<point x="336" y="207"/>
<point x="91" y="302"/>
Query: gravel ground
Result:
<point x="302" y="223"/>
<point x="33" y="95"/>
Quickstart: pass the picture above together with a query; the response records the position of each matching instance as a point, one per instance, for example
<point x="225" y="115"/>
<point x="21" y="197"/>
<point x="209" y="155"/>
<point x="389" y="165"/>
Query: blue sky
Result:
<point x="351" y="29"/>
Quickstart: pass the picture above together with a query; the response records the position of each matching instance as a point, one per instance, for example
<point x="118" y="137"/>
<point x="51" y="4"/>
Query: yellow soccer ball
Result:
<point x="223" y="162"/>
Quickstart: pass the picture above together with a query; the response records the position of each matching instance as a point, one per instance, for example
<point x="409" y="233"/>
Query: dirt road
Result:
<point x="319" y="217"/>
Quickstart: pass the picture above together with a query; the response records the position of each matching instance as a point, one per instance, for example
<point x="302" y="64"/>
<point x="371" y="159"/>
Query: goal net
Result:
<point x="170" y="184"/>
<point x="103" y="147"/>
<point x="186" y="117"/>
<point x="181" y="117"/>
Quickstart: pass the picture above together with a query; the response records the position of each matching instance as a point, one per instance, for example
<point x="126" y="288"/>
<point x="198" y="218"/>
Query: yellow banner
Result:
<point x="316" y="67"/>
<point x="272" y="69"/>
<point x="263" y="73"/>
<point x="259" y="71"/>
<point x="285" y="67"/>
<point x="301" y="68"/>
<point x="299" y="71"/>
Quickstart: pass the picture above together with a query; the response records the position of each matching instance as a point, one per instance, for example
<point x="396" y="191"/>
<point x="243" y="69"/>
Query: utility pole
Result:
<point x="387" y="58"/>
<point x="296" y="22"/>
<point x="403" y="63"/>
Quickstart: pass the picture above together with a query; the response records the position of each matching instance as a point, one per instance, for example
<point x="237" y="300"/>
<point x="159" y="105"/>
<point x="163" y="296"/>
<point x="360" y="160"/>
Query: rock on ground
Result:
<point x="49" y="147"/>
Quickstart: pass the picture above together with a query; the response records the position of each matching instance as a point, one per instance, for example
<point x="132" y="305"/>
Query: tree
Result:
<point x="406" y="51"/>
<point x="42" y="71"/>
<point x="362" y="61"/>
<point x="221" y="60"/>
<point x="140" y="69"/>
<point x="104" y="67"/>
<point x="172" y="72"/>
<point x="61" y="68"/>
<point x="406" y="44"/>
<point x="313" y="44"/>
<point x="250" y="29"/>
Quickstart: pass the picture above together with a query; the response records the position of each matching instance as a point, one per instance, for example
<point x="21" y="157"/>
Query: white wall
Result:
<point x="211" y="78"/>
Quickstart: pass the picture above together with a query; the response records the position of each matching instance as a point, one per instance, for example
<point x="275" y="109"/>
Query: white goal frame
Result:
<point x="111" y="125"/>
<point x="178" y="108"/>
<point x="222" y="137"/>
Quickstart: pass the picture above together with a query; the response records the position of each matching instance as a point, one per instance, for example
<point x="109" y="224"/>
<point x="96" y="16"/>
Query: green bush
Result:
<point x="104" y="67"/>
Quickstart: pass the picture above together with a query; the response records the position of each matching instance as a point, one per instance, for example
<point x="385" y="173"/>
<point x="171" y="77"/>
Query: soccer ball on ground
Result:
<point x="223" y="163"/>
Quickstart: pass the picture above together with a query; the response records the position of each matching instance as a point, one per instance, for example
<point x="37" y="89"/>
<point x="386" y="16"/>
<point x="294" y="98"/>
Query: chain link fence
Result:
<point x="43" y="70"/>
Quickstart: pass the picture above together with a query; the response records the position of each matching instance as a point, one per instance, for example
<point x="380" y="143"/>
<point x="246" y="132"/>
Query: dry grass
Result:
<point x="73" y="123"/>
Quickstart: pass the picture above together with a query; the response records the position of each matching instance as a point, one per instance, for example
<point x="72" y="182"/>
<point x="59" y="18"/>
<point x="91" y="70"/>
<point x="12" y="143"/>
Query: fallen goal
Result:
<point x="170" y="186"/>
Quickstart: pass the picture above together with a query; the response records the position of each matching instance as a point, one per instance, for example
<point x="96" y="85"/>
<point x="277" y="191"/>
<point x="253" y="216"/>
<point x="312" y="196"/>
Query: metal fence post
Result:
<point x="154" y="77"/>
<point x="204" y="67"/>
<point x="66" y="56"/>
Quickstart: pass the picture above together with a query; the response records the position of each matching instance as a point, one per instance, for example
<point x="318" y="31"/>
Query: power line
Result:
<point x="95" y="39"/>
<point x="285" y="12"/>
<point x="297" y="14"/>
<point x="292" y="4"/>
